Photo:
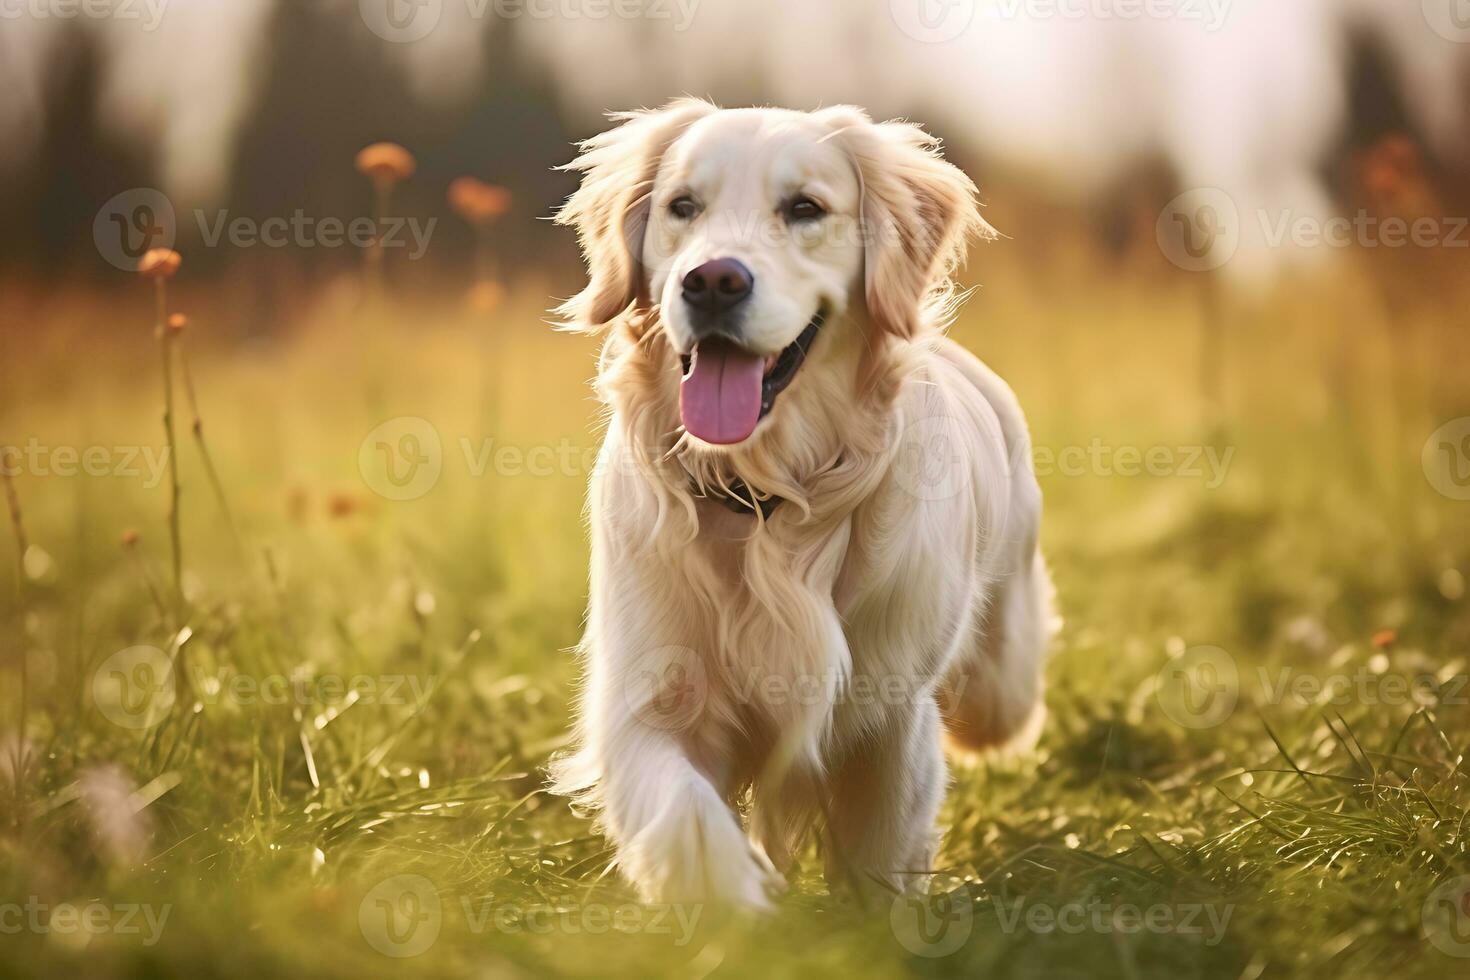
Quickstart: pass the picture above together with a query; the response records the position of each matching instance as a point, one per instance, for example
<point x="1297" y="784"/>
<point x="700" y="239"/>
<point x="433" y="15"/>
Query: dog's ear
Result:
<point x="918" y="214"/>
<point x="610" y="210"/>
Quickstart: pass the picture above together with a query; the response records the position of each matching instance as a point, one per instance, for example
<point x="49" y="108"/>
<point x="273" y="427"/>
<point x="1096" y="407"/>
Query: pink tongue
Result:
<point x="720" y="400"/>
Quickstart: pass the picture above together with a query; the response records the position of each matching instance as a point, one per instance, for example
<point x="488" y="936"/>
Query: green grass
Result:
<point x="1297" y="836"/>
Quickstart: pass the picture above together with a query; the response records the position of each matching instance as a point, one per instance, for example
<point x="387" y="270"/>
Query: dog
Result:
<point x="814" y="518"/>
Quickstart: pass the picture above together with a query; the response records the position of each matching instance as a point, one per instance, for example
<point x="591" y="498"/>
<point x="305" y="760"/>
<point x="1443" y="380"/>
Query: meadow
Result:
<point x="327" y="758"/>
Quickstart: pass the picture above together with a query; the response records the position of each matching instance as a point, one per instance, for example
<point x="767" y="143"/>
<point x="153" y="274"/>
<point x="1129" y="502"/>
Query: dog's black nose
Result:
<point x="719" y="286"/>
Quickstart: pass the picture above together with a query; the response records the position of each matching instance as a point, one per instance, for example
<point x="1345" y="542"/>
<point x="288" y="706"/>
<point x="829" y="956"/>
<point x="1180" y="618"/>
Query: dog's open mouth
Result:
<point x="727" y="390"/>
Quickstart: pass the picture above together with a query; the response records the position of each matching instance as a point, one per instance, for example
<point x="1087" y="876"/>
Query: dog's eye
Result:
<point x="804" y="209"/>
<point x="684" y="208"/>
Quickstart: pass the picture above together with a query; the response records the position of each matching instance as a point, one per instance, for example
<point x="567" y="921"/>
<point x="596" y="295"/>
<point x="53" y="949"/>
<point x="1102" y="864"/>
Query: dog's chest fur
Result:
<point x="815" y="641"/>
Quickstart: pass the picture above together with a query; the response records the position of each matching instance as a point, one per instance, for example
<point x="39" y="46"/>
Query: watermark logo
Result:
<point x="1363" y="230"/>
<point x="1208" y="464"/>
<point x="666" y="688"/>
<point x="1211" y="14"/>
<point x="149" y="13"/>
<point x="930" y="463"/>
<point x="401" y="917"/>
<point x="407" y="21"/>
<point x="126" y="462"/>
<point x="401" y="21"/>
<point x="301" y="230"/>
<point x="74" y="924"/>
<point x="1207" y="923"/>
<point x="933" y="925"/>
<point x="131" y="224"/>
<point x="677" y="922"/>
<point x="134" y="688"/>
<point x="932" y="21"/>
<point x="1199" y="231"/>
<point x="1199" y="688"/>
<point x="1446" y="459"/>
<point x="404" y="916"/>
<point x="402" y="459"/>
<point x="1446" y="917"/>
<point x="1202" y="687"/>
<point x="834" y="687"/>
<point x="134" y="222"/>
<point x="1450" y="19"/>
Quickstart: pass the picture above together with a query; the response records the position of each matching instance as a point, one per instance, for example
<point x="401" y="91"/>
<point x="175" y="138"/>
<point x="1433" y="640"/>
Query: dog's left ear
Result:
<point x="918" y="214"/>
<point x="610" y="210"/>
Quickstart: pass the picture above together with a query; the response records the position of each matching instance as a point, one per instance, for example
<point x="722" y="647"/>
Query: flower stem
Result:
<point x="382" y="190"/>
<point x="18" y="769"/>
<point x="12" y="500"/>
<point x="484" y="256"/>
<point x="147" y="578"/>
<point x="210" y="471"/>
<point x="165" y="351"/>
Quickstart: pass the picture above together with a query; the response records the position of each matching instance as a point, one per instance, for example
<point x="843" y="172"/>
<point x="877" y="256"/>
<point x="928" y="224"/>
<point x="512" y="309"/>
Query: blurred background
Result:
<point x="1101" y="110"/>
<point x="1230" y="293"/>
<point x="1208" y="163"/>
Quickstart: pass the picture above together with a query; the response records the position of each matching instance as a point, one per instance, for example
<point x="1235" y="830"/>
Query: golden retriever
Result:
<point x="814" y="518"/>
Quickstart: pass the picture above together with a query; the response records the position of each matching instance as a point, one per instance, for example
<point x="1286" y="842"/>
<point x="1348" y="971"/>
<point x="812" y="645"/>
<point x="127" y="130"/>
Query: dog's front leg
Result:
<point x="885" y="804"/>
<point x="677" y="838"/>
<point x="650" y="755"/>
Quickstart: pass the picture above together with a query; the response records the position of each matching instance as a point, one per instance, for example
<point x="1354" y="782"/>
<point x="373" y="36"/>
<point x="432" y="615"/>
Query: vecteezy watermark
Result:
<point x="1364" y="685"/>
<point x="147" y="13"/>
<point x="1201" y="230"/>
<point x="67" y="919"/>
<point x="300" y="230"/>
<point x="932" y="21"/>
<point x="940" y="923"/>
<point x="666" y="688"/>
<point x="407" y="21"/>
<point x="123" y="462"/>
<point x="132" y="223"/>
<point x="403" y="916"/>
<point x="1362" y="230"/>
<point x="572" y="918"/>
<point x="402" y="458"/>
<point x="1450" y="19"/>
<point x="933" y="925"/>
<point x="932" y="462"/>
<point x="1200" y="687"/>
<point x="134" y="688"/>
<point x="1446" y="917"/>
<point x="839" y="688"/>
<point x="1205" y="921"/>
<point x="1446" y="459"/>
<point x="1207" y="463"/>
<point x="137" y="687"/>
<point x="1211" y="14"/>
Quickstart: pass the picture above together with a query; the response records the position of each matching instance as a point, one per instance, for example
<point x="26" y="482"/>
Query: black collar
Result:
<point x="739" y="499"/>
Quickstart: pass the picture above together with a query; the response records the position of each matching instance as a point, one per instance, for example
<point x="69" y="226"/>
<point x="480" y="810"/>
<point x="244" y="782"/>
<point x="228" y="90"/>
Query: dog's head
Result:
<point x="751" y="237"/>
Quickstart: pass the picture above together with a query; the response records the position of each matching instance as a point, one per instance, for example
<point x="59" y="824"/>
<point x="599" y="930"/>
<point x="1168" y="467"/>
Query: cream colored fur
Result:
<point x="802" y="667"/>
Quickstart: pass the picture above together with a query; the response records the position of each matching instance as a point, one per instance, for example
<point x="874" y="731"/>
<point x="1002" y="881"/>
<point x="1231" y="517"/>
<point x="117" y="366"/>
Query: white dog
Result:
<point x="814" y="520"/>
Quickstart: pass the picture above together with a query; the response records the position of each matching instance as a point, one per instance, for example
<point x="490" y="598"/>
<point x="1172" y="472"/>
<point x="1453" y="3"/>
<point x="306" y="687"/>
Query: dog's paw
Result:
<point x="694" y="851"/>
